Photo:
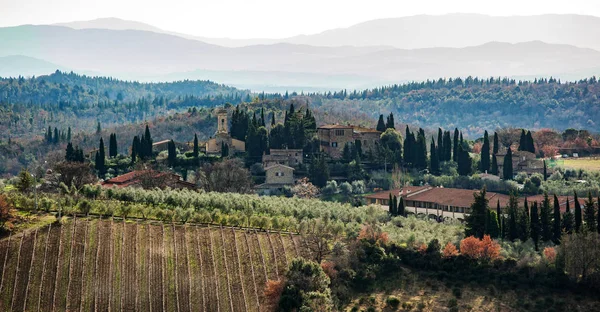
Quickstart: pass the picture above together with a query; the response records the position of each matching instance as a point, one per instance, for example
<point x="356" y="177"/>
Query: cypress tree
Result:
<point x="408" y="148"/>
<point x="568" y="219"/>
<point x="500" y="218"/>
<point x="530" y="144"/>
<point x="391" y="205"/>
<point x="100" y="159"/>
<point x="434" y="161"/>
<point x="535" y="225"/>
<point x="578" y="216"/>
<point x="507" y="168"/>
<point x="98" y="128"/>
<point x="56" y="138"/>
<point x="148" y="138"/>
<point x="447" y="146"/>
<point x="196" y="147"/>
<point x="545" y="171"/>
<point x="390" y="122"/>
<point x="513" y="214"/>
<point x="455" y="146"/>
<point x="273" y="120"/>
<point x="395" y="206"/>
<point x="135" y="146"/>
<point x="494" y="169"/>
<point x="421" y="151"/>
<point x="262" y="117"/>
<point x="590" y="214"/>
<point x="401" y="208"/>
<point x="381" y="124"/>
<point x="546" y="219"/>
<point x="556" y="228"/>
<point x="70" y="152"/>
<point x="172" y="153"/>
<point x="496" y="144"/>
<point x="440" y="146"/>
<point x="49" y="135"/>
<point x="69" y="134"/>
<point x="464" y="162"/>
<point x="523" y="144"/>
<point x="485" y="153"/>
<point x="477" y="219"/>
<point x="493" y="228"/>
<point x="113" y="147"/>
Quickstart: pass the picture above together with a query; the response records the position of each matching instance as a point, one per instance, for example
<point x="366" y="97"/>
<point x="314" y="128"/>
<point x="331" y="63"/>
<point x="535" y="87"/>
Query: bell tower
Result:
<point x="222" y="121"/>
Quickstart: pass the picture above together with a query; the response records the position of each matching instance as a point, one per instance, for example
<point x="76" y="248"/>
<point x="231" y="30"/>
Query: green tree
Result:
<point x="578" y="216"/>
<point x="496" y="144"/>
<point x="513" y="215"/>
<point x="319" y="171"/>
<point x="546" y="219"/>
<point x="568" y="219"/>
<point x="98" y="128"/>
<point x="401" y="207"/>
<point x="381" y="124"/>
<point x="113" y="150"/>
<point x="395" y="206"/>
<point x="484" y="165"/>
<point x="477" y="219"/>
<point x="391" y="208"/>
<point x="535" y="225"/>
<point x="556" y="227"/>
<point x="464" y="162"/>
<point x="507" y="167"/>
<point x="69" y="134"/>
<point x="277" y="139"/>
<point x="390" y="122"/>
<point x="455" y="146"/>
<point x="500" y="218"/>
<point x="101" y="159"/>
<point x="196" y="147"/>
<point x="493" y="226"/>
<point x="172" y="153"/>
<point x="421" y="151"/>
<point x="25" y="181"/>
<point x="306" y="288"/>
<point x="589" y="214"/>
<point x="523" y="223"/>
<point x="434" y="161"/>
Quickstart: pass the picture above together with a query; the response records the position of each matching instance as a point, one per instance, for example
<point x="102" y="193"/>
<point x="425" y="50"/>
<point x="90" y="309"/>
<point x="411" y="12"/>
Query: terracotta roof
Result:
<point x="361" y="129"/>
<point x="386" y="194"/>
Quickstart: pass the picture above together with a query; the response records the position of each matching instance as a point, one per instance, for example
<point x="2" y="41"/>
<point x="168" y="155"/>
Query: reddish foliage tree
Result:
<point x="373" y="234"/>
<point x="470" y="247"/>
<point x="272" y="292"/>
<point x="329" y="269"/>
<point x="450" y="250"/>
<point x="550" y="254"/>
<point x="5" y="213"/>
<point x="490" y="250"/>
<point x="485" y="249"/>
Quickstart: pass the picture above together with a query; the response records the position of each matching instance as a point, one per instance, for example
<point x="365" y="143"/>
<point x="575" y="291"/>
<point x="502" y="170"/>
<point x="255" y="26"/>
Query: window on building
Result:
<point x="279" y="174"/>
<point x="333" y="144"/>
<point x="339" y="132"/>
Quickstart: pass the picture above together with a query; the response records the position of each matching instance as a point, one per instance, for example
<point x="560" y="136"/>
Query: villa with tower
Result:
<point x="222" y="137"/>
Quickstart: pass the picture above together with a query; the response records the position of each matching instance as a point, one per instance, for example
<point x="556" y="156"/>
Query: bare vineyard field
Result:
<point x="106" y="265"/>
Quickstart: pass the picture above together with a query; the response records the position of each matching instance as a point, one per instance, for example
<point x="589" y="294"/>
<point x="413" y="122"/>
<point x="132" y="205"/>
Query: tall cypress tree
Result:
<point x="381" y="124"/>
<point x="578" y="219"/>
<point x="496" y="144"/>
<point x="589" y="214"/>
<point x="494" y="168"/>
<point x="507" y="168"/>
<point x="500" y="218"/>
<point x="530" y="144"/>
<point x="447" y="146"/>
<point x="434" y="161"/>
<point x="568" y="219"/>
<point x="421" y="151"/>
<point x="546" y="219"/>
<point x="148" y="138"/>
<point x="100" y="159"/>
<point x="70" y="152"/>
<point x="556" y="228"/>
<point x="390" y="122"/>
<point x="395" y="206"/>
<point x="135" y="146"/>
<point x="545" y="171"/>
<point x="196" y="147"/>
<point x="273" y="120"/>
<point x="464" y="162"/>
<point x="262" y="117"/>
<point x="455" y="146"/>
<point x="112" y="146"/>
<point x="477" y="219"/>
<point x="440" y="146"/>
<point x="485" y="154"/>
<point x="513" y="215"/>
<point x="408" y="148"/>
<point x="535" y="225"/>
<point x="69" y="135"/>
<point x="172" y="153"/>
<point x="391" y="205"/>
<point x="49" y="135"/>
<point x="523" y="144"/>
<point x="56" y="137"/>
<point x="401" y="207"/>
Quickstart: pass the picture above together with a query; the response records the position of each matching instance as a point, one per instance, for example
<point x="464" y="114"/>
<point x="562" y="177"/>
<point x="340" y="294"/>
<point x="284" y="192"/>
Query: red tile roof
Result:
<point x="334" y="127"/>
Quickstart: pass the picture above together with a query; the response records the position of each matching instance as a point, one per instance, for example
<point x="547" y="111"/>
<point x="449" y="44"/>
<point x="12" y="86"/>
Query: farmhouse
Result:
<point x="288" y="157"/>
<point x="332" y="138"/>
<point x="453" y="203"/>
<point x="148" y="179"/>
<point x="522" y="161"/>
<point x="278" y="176"/>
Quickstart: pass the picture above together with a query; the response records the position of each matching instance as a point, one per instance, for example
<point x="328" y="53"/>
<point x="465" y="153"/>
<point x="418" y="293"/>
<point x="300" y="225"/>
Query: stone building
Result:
<point x="522" y="161"/>
<point x="222" y="136"/>
<point x="333" y="138"/>
<point x="288" y="157"/>
<point x="277" y="177"/>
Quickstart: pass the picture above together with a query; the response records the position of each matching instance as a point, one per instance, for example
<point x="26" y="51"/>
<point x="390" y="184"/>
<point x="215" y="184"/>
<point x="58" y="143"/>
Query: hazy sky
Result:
<point x="267" y="18"/>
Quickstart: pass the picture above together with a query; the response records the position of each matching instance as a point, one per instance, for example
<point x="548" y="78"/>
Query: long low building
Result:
<point x="453" y="203"/>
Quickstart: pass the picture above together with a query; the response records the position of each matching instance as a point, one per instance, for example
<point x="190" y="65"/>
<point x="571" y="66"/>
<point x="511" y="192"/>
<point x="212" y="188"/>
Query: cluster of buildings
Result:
<point x="442" y="203"/>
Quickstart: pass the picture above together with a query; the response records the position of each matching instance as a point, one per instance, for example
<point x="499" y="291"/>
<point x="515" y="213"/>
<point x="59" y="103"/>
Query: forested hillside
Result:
<point x="29" y="106"/>
<point x="475" y="104"/>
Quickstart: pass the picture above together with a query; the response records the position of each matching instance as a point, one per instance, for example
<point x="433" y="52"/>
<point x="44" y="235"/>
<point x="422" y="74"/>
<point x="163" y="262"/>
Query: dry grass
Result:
<point x="592" y="164"/>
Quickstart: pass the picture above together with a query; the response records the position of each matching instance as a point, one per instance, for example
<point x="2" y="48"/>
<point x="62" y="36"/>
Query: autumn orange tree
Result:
<point x="480" y="249"/>
<point x="5" y="212"/>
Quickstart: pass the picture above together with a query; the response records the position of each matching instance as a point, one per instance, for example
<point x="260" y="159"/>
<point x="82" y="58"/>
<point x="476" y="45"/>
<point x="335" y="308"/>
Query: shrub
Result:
<point x="331" y="188"/>
<point x="346" y="188"/>
<point x="393" y="302"/>
<point x="456" y="292"/>
<point x="450" y="250"/>
<point x="550" y="254"/>
<point x="485" y="249"/>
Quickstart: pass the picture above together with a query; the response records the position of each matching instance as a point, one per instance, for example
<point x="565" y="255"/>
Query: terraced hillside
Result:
<point x="103" y="265"/>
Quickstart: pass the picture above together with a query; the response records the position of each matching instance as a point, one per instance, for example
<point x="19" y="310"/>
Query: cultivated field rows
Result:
<point x="104" y="265"/>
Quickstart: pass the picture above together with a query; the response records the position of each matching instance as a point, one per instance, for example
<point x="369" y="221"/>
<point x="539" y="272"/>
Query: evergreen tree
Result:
<point x="523" y="144"/>
<point x="535" y="225"/>
<point x="380" y="124"/>
<point x="523" y="223"/>
<point x="135" y="147"/>
<point x="485" y="154"/>
<point x="434" y="161"/>
<point x="196" y="147"/>
<point x="262" y="117"/>
<point x="440" y="146"/>
<point x="273" y="120"/>
<point x="546" y="219"/>
<point x="401" y="207"/>
<point x="589" y="214"/>
<point x="455" y="146"/>
<point x="476" y="220"/>
<point x="494" y="169"/>
<point x="568" y="219"/>
<point x="421" y="151"/>
<point x="390" y="122"/>
<point x="395" y="206"/>
<point x="513" y="214"/>
<point x="100" y="159"/>
<point x="347" y="153"/>
<point x="391" y="207"/>
<point x="496" y="144"/>
<point x="56" y="137"/>
<point x="224" y="150"/>
<point x="319" y="171"/>
<point x="507" y="168"/>
<point x="545" y="171"/>
<point x="556" y="227"/>
<point x="447" y="146"/>
<point x="69" y="134"/>
<point x="408" y="148"/>
<point x="493" y="228"/>
<point x="500" y="217"/>
<point x="277" y="139"/>
<point x="112" y="147"/>
<point x="578" y="216"/>
<point x="70" y="153"/>
<point x="98" y="128"/>
<point x="530" y="144"/>
<point x="49" y="135"/>
<point x="464" y="162"/>
<point x="172" y="153"/>
<point x="357" y="151"/>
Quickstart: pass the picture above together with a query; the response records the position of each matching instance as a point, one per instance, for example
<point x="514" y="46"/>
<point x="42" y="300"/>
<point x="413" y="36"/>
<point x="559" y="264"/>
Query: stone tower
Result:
<point x="222" y="121"/>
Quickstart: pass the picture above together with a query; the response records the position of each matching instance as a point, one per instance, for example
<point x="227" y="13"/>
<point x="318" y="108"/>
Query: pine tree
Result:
<point x="589" y="214"/>
<point x="568" y="221"/>
<point x="381" y="124"/>
<point x="477" y="219"/>
<point x="455" y="146"/>
<point x="485" y="153"/>
<point x="556" y="228"/>
<point x="434" y="161"/>
<point x="196" y="147"/>
<point x="546" y="219"/>
<point x="578" y="216"/>
<point x="507" y="168"/>
<point x="535" y="225"/>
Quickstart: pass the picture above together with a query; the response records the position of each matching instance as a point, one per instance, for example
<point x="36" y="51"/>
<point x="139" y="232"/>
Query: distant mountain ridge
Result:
<point x="420" y="31"/>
